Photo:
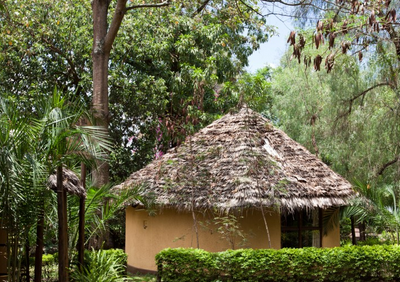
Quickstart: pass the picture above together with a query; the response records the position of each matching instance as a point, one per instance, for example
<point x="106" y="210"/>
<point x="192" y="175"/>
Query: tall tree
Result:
<point x="161" y="58"/>
<point x="349" y="117"/>
<point x="345" y="25"/>
<point x="174" y="77"/>
<point x="104" y="37"/>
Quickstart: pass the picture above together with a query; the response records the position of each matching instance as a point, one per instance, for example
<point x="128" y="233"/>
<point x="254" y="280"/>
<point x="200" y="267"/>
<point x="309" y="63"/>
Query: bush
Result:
<point x="47" y="259"/>
<point x="350" y="263"/>
<point x="103" y="266"/>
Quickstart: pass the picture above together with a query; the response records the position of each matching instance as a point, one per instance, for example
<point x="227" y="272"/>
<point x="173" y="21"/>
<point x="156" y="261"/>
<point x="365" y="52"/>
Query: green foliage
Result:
<point x="143" y="278"/>
<point x="32" y="147"/>
<point x="48" y="259"/>
<point x="168" y="63"/>
<point x="44" y="44"/>
<point x="350" y="118"/>
<point x="352" y="263"/>
<point x="169" y="72"/>
<point x="186" y="265"/>
<point x="103" y="266"/>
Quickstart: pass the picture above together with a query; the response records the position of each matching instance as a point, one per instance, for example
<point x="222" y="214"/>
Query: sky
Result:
<point x="271" y="51"/>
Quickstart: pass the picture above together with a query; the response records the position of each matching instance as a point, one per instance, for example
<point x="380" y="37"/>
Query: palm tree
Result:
<point x="378" y="205"/>
<point x="32" y="148"/>
<point x="63" y="142"/>
<point x="18" y="182"/>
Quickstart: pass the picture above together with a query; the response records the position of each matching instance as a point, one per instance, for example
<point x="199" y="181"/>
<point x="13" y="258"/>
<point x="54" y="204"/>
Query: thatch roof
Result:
<point x="71" y="183"/>
<point x="240" y="161"/>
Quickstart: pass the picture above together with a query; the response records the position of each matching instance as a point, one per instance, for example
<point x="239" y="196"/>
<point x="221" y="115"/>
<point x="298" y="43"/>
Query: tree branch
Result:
<point x="351" y="100"/>
<point x="386" y="165"/>
<point x="303" y="2"/>
<point x="250" y="8"/>
<point x="152" y="5"/>
<point x="120" y="11"/>
<point x="119" y="14"/>
<point x="72" y="70"/>
<point x="201" y="8"/>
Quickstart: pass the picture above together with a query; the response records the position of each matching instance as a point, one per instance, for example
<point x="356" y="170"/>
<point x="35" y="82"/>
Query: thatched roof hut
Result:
<point x="71" y="183"/>
<point x="240" y="161"/>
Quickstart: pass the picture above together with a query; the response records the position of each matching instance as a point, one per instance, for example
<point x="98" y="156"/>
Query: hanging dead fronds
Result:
<point x="345" y="46"/>
<point x="307" y="61"/>
<point x="329" y="62"/>
<point x="317" y="63"/>
<point x="302" y="41"/>
<point x="296" y="52"/>
<point x="318" y="39"/>
<point x="320" y="26"/>
<point x="332" y="37"/>
<point x="391" y="16"/>
<point x="344" y="27"/>
<point x="292" y="38"/>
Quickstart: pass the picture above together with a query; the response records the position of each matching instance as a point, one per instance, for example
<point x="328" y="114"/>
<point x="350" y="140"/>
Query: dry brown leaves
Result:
<point x="292" y="38"/>
<point x="391" y="16"/>
<point x="329" y="62"/>
<point x="380" y="16"/>
<point x="332" y="37"/>
<point x="345" y="46"/>
<point x="317" y="63"/>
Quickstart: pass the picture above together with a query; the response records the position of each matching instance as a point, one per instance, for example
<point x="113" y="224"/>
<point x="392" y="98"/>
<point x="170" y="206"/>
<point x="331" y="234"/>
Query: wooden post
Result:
<point x="62" y="228"/>
<point x="3" y="253"/>
<point x="27" y="257"/>
<point x="81" y="238"/>
<point x="39" y="246"/>
<point x="353" y="231"/>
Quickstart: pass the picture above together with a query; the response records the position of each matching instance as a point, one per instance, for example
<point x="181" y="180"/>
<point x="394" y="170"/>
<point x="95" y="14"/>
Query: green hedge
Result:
<point x="350" y="263"/>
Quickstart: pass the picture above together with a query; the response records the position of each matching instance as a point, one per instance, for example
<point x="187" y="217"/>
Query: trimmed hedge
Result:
<point x="350" y="263"/>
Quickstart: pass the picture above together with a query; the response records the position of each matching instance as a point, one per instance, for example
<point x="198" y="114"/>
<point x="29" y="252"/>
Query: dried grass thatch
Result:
<point x="71" y="183"/>
<point x="240" y="161"/>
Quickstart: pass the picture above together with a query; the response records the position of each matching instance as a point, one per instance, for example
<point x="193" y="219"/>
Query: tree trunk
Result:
<point x="81" y="238"/>
<point x="100" y="107"/>
<point x="361" y="226"/>
<point x="353" y="231"/>
<point x="100" y="57"/>
<point x="62" y="228"/>
<point x="39" y="246"/>
<point x="103" y="38"/>
<point x="27" y="243"/>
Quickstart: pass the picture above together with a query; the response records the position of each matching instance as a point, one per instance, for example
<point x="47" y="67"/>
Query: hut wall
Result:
<point x="332" y="238"/>
<point x="147" y="235"/>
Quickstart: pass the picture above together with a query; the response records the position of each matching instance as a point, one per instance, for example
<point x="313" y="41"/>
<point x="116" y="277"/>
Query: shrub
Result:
<point x="103" y="266"/>
<point x="350" y="263"/>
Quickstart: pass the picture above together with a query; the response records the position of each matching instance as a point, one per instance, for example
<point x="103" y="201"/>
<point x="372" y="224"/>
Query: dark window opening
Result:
<point x="301" y="229"/>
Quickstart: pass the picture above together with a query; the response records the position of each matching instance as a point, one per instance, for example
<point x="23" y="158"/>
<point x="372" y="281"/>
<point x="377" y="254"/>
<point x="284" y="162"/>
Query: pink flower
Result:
<point x="158" y="154"/>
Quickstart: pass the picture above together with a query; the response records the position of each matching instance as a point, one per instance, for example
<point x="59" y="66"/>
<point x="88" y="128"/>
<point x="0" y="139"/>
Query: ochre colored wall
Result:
<point x="332" y="239"/>
<point x="148" y="235"/>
